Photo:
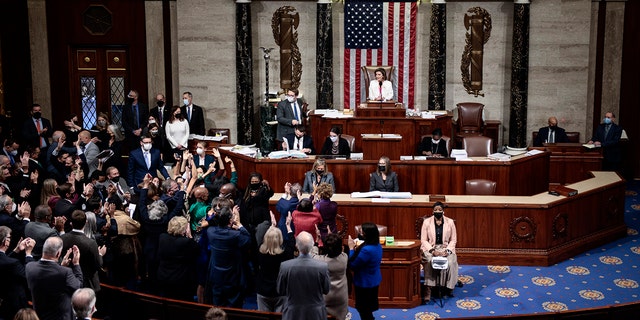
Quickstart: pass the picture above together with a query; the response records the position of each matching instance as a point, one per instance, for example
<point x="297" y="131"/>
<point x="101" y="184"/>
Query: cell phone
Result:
<point x="177" y="155"/>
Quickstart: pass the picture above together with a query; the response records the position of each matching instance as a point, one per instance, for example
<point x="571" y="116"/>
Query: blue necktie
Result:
<point x="295" y="111"/>
<point x="188" y="114"/>
<point x="135" y="116"/>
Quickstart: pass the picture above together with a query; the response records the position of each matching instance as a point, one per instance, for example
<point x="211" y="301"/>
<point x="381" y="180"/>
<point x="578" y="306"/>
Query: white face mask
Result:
<point x="333" y="139"/>
<point x="435" y="141"/>
<point x="200" y="151"/>
<point x="186" y="102"/>
<point x="152" y="121"/>
<point x="146" y="146"/>
<point x="14" y="207"/>
<point x="291" y="99"/>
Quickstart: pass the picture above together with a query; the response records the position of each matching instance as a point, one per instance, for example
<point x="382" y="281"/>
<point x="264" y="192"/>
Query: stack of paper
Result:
<point x="382" y="194"/>
<point x="499" y="156"/>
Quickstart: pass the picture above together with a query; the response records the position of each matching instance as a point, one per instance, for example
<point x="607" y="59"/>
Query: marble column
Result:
<point x="438" y="55"/>
<point x="244" y="72"/>
<point x="519" y="75"/>
<point x="324" y="56"/>
<point x="39" y="47"/>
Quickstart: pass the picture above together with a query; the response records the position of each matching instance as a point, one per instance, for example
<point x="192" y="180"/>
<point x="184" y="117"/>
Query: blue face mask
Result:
<point x="186" y="102"/>
<point x="607" y="121"/>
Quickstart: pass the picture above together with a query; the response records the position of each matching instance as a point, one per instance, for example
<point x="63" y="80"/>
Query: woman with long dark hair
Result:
<point x="364" y="261"/>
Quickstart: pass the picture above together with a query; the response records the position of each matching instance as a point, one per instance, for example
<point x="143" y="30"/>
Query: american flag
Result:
<point x="379" y="33"/>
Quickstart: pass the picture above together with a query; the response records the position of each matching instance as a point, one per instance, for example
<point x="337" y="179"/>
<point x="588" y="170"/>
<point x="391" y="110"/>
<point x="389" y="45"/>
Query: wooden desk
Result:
<point x="520" y="176"/>
<point x="400" y="268"/>
<point x="410" y="128"/>
<point x="537" y="230"/>
<point x="374" y="146"/>
<point x="571" y="162"/>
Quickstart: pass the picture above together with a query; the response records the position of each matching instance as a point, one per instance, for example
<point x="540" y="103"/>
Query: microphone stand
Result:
<point x="381" y="128"/>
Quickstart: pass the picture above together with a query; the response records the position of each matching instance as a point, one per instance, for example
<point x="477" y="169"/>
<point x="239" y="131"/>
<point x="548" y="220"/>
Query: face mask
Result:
<point x="382" y="168"/>
<point x="333" y="139"/>
<point x="552" y="128"/>
<point x="115" y="179"/>
<point x="146" y="146"/>
<point x="37" y="115"/>
<point x="185" y="101"/>
<point x="154" y="132"/>
<point x="200" y="151"/>
<point x="199" y="175"/>
<point x="160" y="104"/>
<point x="152" y="121"/>
<point x="607" y="121"/>
<point x="291" y="99"/>
<point x="82" y="144"/>
<point x="438" y="214"/>
<point x="179" y="116"/>
<point x="434" y="141"/>
<point x="14" y="152"/>
<point x="102" y="123"/>
<point x="14" y="207"/>
<point x="129" y="100"/>
<point x="255" y="186"/>
<point x="319" y="172"/>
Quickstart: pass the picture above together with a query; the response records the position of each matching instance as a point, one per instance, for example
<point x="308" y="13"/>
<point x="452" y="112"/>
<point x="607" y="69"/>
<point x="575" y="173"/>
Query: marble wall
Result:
<point x="561" y="42"/>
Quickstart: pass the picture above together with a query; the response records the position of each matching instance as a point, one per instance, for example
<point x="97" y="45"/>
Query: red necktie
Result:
<point x="39" y="131"/>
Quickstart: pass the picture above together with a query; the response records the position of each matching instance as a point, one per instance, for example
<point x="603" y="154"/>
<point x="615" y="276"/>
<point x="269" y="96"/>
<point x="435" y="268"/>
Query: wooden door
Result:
<point x="97" y="83"/>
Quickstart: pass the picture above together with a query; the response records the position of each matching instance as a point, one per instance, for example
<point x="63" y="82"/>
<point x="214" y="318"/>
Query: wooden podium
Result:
<point x="377" y="109"/>
<point x="376" y="145"/>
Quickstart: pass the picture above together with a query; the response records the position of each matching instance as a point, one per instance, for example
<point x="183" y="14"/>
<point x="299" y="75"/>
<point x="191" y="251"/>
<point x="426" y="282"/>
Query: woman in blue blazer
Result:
<point x="365" y="262"/>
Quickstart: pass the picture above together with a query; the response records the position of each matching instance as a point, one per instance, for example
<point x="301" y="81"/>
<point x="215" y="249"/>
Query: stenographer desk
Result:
<point x="522" y="175"/>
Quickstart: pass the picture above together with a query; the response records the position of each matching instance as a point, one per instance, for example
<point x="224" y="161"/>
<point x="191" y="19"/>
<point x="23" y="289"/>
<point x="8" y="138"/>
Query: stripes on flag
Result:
<point x="368" y="45"/>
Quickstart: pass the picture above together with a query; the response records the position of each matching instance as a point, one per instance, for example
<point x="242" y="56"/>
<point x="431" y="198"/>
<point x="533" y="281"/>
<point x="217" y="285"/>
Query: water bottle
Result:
<point x="258" y="154"/>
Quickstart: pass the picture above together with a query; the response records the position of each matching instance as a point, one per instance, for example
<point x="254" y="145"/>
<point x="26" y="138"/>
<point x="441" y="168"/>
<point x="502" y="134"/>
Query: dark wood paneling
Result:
<point x="629" y="84"/>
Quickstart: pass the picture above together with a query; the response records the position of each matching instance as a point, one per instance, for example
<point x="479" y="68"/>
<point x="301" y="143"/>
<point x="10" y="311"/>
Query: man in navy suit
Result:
<point x="135" y="116"/>
<point x="299" y="140"/>
<point x="550" y="134"/>
<point x="195" y="114"/>
<point x="13" y="291"/>
<point x="289" y="114"/>
<point x="143" y="160"/>
<point x="607" y="136"/>
<point x="36" y="130"/>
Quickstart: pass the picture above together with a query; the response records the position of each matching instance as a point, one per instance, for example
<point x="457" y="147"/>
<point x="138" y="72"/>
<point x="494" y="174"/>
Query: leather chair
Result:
<point x="369" y="73"/>
<point x="480" y="187"/>
<point x="445" y="138"/>
<point x="479" y="146"/>
<point x="381" y="229"/>
<point x="342" y="224"/>
<point x="220" y="131"/>
<point x="470" y="122"/>
<point x="572" y="136"/>
<point x="351" y="140"/>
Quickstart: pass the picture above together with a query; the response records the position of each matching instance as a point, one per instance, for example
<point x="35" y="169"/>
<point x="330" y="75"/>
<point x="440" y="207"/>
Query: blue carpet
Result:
<point x="603" y="276"/>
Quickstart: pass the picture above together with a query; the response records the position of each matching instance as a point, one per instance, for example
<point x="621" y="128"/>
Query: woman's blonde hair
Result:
<point x="48" y="190"/>
<point x="26" y="314"/>
<point x="320" y="162"/>
<point x="324" y="191"/>
<point x="177" y="226"/>
<point x="272" y="242"/>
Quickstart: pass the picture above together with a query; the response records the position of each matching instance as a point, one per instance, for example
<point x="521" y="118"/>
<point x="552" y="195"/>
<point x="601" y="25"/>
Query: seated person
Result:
<point x="318" y="174"/>
<point x="433" y="146"/>
<point x="335" y="145"/>
<point x="380" y="89"/>
<point x="299" y="140"/>
<point x="550" y="134"/>
<point x="438" y="238"/>
<point x="383" y="179"/>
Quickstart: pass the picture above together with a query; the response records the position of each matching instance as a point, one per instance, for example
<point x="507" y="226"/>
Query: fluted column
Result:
<point x="438" y="55"/>
<point x="324" y="56"/>
<point x="519" y="75"/>
<point x="244" y="72"/>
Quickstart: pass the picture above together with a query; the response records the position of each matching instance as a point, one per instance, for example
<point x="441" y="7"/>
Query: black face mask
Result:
<point x="116" y="179"/>
<point x="552" y="128"/>
<point x="160" y="104"/>
<point x="319" y="172"/>
<point x="382" y="168"/>
<point x="82" y="143"/>
<point x="129" y="100"/>
<point x="179" y="116"/>
<point x="255" y="186"/>
<point x="438" y="214"/>
<point x="37" y="115"/>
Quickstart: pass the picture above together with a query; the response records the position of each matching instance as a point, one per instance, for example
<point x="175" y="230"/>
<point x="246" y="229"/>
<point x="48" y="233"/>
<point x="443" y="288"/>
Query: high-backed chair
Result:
<point x="479" y="146"/>
<point x="445" y="138"/>
<point x="480" y="187"/>
<point x="369" y="73"/>
<point x="470" y="122"/>
<point x="351" y="140"/>
<point x="381" y="229"/>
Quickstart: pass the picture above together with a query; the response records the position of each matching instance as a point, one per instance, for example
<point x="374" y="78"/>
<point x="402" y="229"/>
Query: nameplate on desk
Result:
<point x="563" y="191"/>
<point x="383" y="136"/>
<point x="382" y="194"/>
<point x="436" y="197"/>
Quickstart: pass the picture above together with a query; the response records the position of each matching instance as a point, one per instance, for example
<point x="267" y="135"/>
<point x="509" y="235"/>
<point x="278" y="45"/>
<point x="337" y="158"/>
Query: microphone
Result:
<point x="381" y="128"/>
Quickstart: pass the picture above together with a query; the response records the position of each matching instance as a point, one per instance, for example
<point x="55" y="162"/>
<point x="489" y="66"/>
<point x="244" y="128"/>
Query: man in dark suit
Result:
<point x="194" y="113"/>
<point x="14" y="216"/>
<point x="39" y="230"/>
<point x="143" y="160"/>
<point x="91" y="254"/>
<point x="52" y="284"/>
<point x="161" y="111"/>
<point x="607" y="136"/>
<point x="135" y="116"/>
<point x="304" y="281"/>
<point x="299" y="140"/>
<point x="289" y="114"/>
<point x="550" y="134"/>
<point x="13" y="291"/>
<point x="36" y="130"/>
<point x="65" y="206"/>
<point x="10" y="149"/>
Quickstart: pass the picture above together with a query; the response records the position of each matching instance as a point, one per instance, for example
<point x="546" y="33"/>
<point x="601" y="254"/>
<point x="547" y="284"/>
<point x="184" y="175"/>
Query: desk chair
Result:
<point x="478" y="146"/>
<point x="480" y="187"/>
<point x="351" y="140"/>
<point x="381" y="229"/>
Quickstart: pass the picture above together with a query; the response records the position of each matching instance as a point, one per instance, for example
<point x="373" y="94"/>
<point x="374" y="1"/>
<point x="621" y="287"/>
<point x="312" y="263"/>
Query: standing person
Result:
<point x="51" y="284"/>
<point x="550" y="134"/>
<point x="287" y="204"/>
<point x="383" y="179"/>
<point x="177" y="253"/>
<point x="99" y="131"/>
<point x="433" y="146"/>
<point x="275" y="249"/>
<point x="177" y="130"/>
<point x="114" y="142"/>
<point x="10" y="150"/>
<point x="438" y="238"/>
<point x="144" y="160"/>
<point x="289" y="114"/>
<point x="13" y="291"/>
<point x="338" y="297"/>
<point x="161" y="111"/>
<point x="607" y="136"/>
<point x="193" y="113"/>
<point x="335" y="145"/>
<point x="380" y="89"/>
<point x="328" y="209"/>
<point x="365" y="262"/>
<point x="87" y="151"/>
<point x="36" y="130"/>
<point x="304" y="281"/>
<point x="39" y="230"/>
<point x="254" y="206"/>
<point x="305" y="217"/>
<point x="83" y="302"/>
<point x="319" y="173"/>
<point x="91" y="260"/>
<point x="134" y="117"/>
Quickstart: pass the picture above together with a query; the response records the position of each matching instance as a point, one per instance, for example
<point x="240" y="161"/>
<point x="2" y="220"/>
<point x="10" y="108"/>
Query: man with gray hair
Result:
<point x="304" y="281"/>
<point x="84" y="303"/>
